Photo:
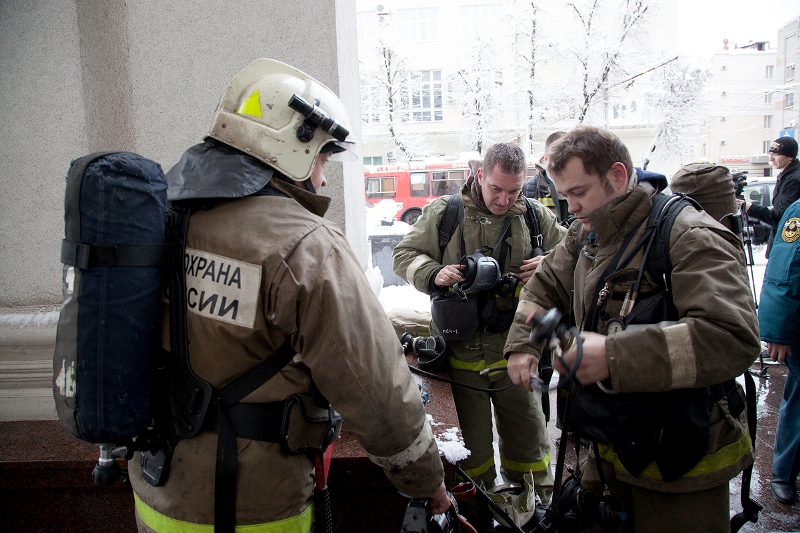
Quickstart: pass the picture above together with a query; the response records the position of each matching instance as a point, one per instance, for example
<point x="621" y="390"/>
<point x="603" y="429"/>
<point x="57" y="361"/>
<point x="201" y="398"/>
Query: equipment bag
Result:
<point x="109" y="330"/>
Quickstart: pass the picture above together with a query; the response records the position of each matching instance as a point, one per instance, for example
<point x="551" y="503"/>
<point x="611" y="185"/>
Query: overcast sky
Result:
<point x="707" y="22"/>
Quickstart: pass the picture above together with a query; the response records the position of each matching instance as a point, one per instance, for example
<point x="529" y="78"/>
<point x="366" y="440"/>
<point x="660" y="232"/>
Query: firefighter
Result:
<point x="294" y="278"/>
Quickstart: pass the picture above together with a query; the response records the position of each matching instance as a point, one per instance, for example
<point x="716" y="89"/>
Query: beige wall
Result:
<point x="84" y="75"/>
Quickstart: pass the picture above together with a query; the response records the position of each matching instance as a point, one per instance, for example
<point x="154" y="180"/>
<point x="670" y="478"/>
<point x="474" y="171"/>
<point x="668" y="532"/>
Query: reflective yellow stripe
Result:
<point x="251" y="106"/>
<point x="477" y="366"/>
<point x="474" y="472"/>
<point x="538" y="466"/>
<point x="546" y="201"/>
<point x="721" y="459"/>
<point x="163" y="524"/>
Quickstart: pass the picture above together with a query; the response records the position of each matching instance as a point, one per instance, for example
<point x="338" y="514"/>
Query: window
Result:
<point x="426" y="95"/>
<point x="789" y="100"/>
<point x="770" y="71"/>
<point x="419" y="184"/>
<point x="418" y="24"/>
<point x="705" y="150"/>
<point x="633" y="107"/>
<point x="765" y="146"/>
<point x="375" y="160"/>
<point x="768" y="98"/>
<point x="380" y="187"/>
<point x="366" y="24"/>
<point x="447" y="182"/>
<point x="790" y="71"/>
<point x="767" y="121"/>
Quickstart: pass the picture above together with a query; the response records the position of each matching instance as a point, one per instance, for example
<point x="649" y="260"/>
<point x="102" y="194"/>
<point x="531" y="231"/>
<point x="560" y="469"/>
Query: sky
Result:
<point x="706" y="22"/>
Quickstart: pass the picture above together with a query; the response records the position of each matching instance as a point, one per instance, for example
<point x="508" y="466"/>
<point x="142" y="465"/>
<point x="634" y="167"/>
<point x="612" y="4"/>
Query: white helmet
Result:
<point x="282" y="116"/>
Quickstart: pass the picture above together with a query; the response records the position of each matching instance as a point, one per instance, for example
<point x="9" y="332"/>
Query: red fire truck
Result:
<point x="414" y="185"/>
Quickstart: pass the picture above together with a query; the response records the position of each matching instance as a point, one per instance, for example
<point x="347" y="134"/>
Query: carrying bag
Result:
<point x="455" y="317"/>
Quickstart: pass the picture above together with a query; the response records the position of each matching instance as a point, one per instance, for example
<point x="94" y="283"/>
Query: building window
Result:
<point x="374" y="160"/>
<point x="790" y="71"/>
<point x="770" y="71"/>
<point x="705" y="150"/>
<point x="765" y="146"/>
<point x="789" y="100"/>
<point x="767" y="121"/>
<point x="426" y="95"/>
<point x="380" y="187"/>
<point x="633" y="107"/>
<point x="768" y="98"/>
<point x="418" y="24"/>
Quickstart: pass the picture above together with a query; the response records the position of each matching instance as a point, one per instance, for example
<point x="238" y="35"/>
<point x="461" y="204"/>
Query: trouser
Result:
<point x="524" y="444"/>
<point x="650" y="511"/>
<point x="786" y="452"/>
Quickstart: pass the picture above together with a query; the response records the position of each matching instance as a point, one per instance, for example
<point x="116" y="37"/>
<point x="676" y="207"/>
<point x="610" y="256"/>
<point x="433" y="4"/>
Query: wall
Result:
<point x="145" y="76"/>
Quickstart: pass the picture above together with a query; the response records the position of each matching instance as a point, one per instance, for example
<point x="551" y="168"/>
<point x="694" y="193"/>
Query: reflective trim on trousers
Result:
<point x="538" y="466"/>
<point x="164" y="524"/>
<point x="710" y="464"/>
<point x="477" y="366"/>
<point x="475" y="472"/>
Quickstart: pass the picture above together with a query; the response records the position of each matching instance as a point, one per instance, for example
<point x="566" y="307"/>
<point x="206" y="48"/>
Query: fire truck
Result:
<point x="414" y="185"/>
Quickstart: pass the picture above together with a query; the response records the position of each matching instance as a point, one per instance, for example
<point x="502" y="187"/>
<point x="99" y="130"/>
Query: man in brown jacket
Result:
<point x="263" y="268"/>
<point x="677" y="366"/>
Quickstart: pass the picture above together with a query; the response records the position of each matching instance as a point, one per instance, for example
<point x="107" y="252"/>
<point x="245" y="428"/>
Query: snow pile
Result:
<point x="381" y="219"/>
<point x="451" y="445"/>
<point x="395" y="296"/>
<point x="375" y="279"/>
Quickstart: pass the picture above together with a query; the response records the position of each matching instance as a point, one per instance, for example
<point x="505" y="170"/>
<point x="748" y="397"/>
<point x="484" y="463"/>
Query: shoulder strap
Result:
<point x="533" y="228"/>
<point x="453" y="216"/>
<point x="663" y="214"/>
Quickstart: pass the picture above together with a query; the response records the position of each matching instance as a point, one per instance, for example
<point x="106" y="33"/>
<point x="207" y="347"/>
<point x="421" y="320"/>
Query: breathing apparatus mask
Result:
<point x="481" y="273"/>
<point x="430" y="351"/>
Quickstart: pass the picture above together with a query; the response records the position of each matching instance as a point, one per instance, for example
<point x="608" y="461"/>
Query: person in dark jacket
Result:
<point x="779" y="318"/>
<point x="783" y="156"/>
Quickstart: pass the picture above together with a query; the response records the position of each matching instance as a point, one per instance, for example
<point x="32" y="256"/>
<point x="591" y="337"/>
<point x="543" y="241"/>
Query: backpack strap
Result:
<point x="532" y="220"/>
<point x="750" y="508"/>
<point x="452" y="218"/>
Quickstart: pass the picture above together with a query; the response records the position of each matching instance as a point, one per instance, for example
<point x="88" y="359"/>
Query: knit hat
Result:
<point x="784" y="146"/>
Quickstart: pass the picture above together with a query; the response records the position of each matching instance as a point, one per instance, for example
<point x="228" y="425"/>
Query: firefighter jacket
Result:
<point x="714" y="340"/>
<point x="417" y="259"/>
<point x="261" y="270"/>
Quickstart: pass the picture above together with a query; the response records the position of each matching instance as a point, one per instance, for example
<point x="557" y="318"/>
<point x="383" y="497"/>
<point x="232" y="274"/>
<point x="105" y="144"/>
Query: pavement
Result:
<point x="775" y="516"/>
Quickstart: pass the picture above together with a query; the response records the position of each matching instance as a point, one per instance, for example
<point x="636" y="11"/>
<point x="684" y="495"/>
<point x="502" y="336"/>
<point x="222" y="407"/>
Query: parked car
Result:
<point x="759" y="192"/>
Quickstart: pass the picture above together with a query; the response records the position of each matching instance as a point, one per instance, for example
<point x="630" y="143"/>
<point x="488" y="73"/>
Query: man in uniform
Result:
<point x="779" y="316"/>
<point x="492" y="199"/>
<point x="296" y="280"/>
<point x="714" y="339"/>
<point x="541" y="186"/>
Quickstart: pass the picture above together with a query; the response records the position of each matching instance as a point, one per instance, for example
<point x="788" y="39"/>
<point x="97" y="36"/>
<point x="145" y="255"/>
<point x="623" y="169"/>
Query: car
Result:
<point x="758" y="191"/>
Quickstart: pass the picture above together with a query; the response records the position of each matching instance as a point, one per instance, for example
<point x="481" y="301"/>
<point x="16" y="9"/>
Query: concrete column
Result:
<point x="85" y="75"/>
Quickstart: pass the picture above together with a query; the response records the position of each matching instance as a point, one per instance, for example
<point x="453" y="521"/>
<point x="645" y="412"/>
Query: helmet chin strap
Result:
<point x="310" y="186"/>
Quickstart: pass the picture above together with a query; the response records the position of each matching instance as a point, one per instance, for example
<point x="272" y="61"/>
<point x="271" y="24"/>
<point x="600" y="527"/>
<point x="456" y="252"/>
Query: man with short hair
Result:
<point x="494" y="223"/>
<point x="782" y="156"/>
<point x="674" y="442"/>
<point x="541" y="186"/>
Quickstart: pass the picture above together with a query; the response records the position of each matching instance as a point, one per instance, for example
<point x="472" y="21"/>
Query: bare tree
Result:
<point x="385" y="92"/>
<point x="607" y="28"/>
<point x="678" y="95"/>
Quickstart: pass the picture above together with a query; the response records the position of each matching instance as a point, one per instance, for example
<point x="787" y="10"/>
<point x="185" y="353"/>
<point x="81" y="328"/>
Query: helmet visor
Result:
<point x="343" y="151"/>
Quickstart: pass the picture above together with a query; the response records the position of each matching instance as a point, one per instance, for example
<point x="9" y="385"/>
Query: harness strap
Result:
<point x="227" y="450"/>
<point x="84" y="255"/>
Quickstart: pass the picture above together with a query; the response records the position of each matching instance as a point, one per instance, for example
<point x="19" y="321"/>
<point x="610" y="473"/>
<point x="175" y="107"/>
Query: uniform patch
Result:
<point x="791" y="230"/>
<point x="221" y="288"/>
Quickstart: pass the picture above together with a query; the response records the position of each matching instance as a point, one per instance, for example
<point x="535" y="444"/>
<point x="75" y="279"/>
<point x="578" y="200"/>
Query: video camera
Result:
<point x="739" y="178"/>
